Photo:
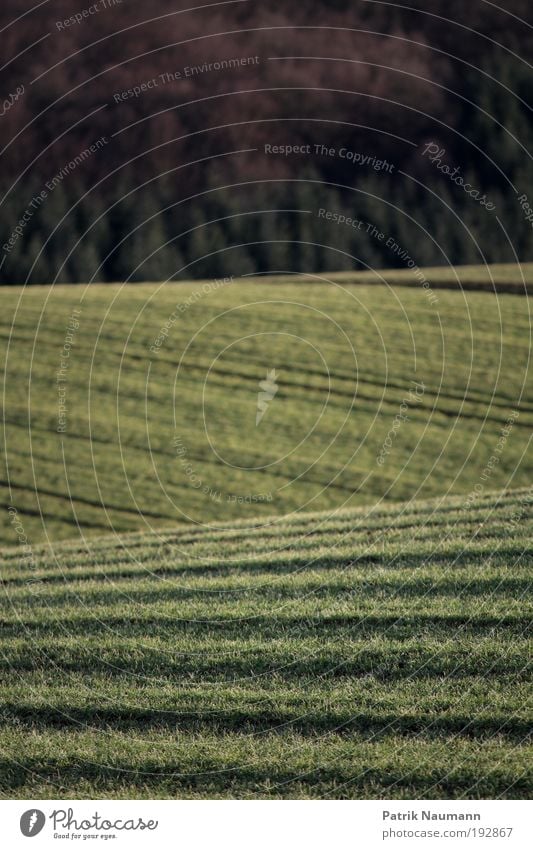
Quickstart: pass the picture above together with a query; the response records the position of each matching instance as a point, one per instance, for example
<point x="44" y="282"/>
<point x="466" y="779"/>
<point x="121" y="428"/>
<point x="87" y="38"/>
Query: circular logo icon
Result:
<point x="32" y="822"/>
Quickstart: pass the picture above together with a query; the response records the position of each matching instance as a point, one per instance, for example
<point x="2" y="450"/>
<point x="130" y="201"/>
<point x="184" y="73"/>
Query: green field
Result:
<point x="163" y="437"/>
<point x="333" y="601"/>
<point x="381" y="653"/>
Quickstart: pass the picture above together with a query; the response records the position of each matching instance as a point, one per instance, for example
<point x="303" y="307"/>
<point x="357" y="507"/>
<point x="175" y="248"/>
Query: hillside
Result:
<point x="377" y="653"/>
<point x="134" y="407"/>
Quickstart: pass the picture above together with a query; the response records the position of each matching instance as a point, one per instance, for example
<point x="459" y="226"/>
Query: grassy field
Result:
<point x="161" y="389"/>
<point x="379" y="653"/>
<point x="321" y="591"/>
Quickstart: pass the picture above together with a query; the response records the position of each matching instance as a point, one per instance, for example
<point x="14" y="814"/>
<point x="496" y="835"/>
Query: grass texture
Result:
<point x="376" y="653"/>
<point x="160" y="388"/>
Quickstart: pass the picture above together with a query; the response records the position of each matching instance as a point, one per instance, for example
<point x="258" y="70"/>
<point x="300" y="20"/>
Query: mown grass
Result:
<point x="346" y="357"/>
<point x="377" y="653"/>
<point x="210" y="648"/>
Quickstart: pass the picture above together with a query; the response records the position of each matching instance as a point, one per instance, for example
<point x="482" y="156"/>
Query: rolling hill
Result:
<point x="299" y="515"/>
<point x="379" y="653"/>
<point x="134" y="407"/>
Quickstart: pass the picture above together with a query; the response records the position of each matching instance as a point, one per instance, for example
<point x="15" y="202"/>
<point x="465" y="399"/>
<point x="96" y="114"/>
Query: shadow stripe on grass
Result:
<point x="260" y="721"/>
<point x="261" y="781"/>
